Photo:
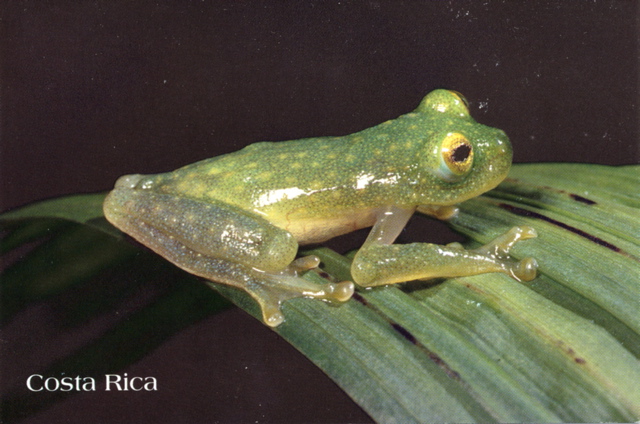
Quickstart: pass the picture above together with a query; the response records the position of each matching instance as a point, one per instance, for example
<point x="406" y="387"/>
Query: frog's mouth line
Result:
<point x="456" y="197"/>
<point x="116" y="202"/>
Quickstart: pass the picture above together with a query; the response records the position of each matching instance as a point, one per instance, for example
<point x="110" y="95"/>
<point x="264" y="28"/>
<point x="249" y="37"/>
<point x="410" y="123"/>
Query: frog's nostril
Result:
<point x="502" y="141"/>
<point x="128" y="181"/>
<point x="501" y="137"/>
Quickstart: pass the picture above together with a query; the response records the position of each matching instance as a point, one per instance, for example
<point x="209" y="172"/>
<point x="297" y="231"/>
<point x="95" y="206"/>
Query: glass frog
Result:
<point x="238" y="218"/>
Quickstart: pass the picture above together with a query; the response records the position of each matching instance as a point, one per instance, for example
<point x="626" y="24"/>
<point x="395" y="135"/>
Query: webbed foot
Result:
<point x="272" y="290"/>
<point x="498" y="250"/>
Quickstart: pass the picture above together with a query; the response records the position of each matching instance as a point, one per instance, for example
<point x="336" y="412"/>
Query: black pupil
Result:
<point x="461" y="153"/>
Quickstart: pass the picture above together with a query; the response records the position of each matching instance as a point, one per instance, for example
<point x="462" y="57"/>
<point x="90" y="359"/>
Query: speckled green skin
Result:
<point x="399" y="155"/>
<point x="395" y="162"/>
<point x="238" y="218"/>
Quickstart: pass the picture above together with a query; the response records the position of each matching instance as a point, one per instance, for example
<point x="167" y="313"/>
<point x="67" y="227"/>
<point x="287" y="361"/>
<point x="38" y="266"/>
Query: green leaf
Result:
<point x="563" y="347"/>
<point x="79" y="208"/>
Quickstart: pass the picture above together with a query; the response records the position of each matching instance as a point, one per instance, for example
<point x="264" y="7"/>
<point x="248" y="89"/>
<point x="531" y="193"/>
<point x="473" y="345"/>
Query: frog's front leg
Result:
<point x="379" y="262"/>
<point x="223" y="244"/>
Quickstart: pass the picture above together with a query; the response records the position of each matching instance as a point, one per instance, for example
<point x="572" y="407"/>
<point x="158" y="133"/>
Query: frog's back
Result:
<point x="252" y="177"/>
<point x="318" y="177"/>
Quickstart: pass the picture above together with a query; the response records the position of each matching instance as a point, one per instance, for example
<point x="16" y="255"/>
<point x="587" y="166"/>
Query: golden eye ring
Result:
<point x="456" y="156"/>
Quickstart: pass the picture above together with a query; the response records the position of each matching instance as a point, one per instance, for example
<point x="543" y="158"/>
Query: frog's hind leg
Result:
<point x="268" y="289"/>
<point x="223" y="244"/>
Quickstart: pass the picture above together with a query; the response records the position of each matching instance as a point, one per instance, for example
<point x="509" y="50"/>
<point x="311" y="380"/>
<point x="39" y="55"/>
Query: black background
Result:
<point x="91" y="90"/>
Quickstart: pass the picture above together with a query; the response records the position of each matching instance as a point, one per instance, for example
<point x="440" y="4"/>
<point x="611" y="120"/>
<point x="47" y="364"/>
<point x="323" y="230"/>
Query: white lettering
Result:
<point x="54" y="386"/>
<point x="151" y="385"/>
<point x="89" y="384"/>
<point x="30" y="387"/>
<point x="116" y="381"/>
<point x="66" y="383"/>
<point x="124" y="383"/>
<point x="37" y="383"/>
<point x="132" y="384"/>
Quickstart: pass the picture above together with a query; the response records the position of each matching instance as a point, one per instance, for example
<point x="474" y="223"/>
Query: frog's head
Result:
<point x="464" y="158"/>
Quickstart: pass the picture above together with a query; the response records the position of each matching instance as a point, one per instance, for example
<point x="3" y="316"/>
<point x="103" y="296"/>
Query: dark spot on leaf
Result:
<point x="324" y="275"/>
<point x="580" y="361"/>
<point x="435" y="358"/>
<point x="438" y="361"/>
<point x="474" y="288"/>
<point x="536" y="193"/>
<point x="360" y="299"/>
<point x="530" y="214"/>
<point x="404" y="332"/>
<point x="411" y="338"/>
<point x="582" y="199"/>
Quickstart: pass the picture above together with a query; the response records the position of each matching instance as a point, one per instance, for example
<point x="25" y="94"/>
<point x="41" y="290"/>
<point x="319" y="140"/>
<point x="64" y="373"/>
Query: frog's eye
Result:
<point x="456" y="156"/>
<point x="461" y="98"/>
<point x="445" y="101"/>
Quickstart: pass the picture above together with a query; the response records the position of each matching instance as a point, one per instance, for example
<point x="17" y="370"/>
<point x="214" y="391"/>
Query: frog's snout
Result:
<point x="128" y="181"/>
<point x="502" y="141"/>
<point x="121" y="201"/>
<point x="128" y="200"/>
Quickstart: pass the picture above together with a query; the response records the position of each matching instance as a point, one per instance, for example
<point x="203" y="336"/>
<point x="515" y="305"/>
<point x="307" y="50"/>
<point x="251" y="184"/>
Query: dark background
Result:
<point x="91" y="90"/>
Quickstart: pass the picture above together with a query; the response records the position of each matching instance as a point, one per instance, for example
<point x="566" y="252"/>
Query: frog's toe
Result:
<point x="272" y="291"/>
<point x="500" y="246"/>
<point x="505" y="242"/>
<point x="527" y="232"/>
<point x="340" y="291"/>
<point x="305" y="263"/>
<point x="273" y="317"/>
<point x="270" y="301"/>
<point x="525" y="270"/>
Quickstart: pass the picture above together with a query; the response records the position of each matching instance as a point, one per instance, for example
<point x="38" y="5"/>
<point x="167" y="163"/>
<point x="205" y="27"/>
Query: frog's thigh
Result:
<point x="227" y="245"/>
<point x="379" y="264"/>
